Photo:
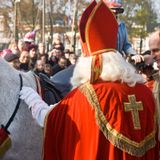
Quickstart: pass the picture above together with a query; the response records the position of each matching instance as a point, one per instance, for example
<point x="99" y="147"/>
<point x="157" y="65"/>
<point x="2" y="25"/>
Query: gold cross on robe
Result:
<point x="134" y="107"/>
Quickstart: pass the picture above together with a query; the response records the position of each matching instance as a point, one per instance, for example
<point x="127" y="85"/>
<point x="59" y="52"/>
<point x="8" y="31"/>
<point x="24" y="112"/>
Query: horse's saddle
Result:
<point x="51" y="94"/>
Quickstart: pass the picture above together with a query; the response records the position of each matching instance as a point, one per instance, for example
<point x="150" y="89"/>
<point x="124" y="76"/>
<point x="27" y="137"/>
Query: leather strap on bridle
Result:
<point x="16" y="108"/>
<point x="39" y="89"/>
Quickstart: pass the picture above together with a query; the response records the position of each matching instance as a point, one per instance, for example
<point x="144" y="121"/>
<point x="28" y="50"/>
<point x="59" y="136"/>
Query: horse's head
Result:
<point x="23" y="124"/>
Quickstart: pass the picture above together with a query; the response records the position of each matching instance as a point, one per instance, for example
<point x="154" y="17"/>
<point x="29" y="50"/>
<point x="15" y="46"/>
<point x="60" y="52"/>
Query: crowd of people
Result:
<point x="27" y="55"/>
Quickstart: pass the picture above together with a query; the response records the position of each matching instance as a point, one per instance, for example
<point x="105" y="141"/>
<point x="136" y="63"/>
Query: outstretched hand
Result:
<point x="30" y="96"/>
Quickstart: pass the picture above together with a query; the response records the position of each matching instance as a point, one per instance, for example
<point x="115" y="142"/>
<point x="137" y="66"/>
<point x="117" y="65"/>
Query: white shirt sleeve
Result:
<point x="39" y="112"/>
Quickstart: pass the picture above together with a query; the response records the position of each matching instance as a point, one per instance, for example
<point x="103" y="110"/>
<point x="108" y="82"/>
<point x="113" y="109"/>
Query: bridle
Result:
<point x="16" y="108"/>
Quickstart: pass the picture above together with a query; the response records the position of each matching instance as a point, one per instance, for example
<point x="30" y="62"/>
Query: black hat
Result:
<point x="10" y="57"/>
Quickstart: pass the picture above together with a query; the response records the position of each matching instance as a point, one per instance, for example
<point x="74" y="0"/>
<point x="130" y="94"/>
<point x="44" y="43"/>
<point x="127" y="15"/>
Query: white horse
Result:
<point x="26" y="135"/>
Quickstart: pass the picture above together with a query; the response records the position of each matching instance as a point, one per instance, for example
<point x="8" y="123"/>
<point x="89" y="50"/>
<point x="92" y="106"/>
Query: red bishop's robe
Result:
<point x="150" y="84"/>
<point x="103" y="121"/>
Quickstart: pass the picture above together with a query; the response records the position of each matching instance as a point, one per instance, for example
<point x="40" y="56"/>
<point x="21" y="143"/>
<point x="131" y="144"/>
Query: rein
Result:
<point x="16" y="108"/>
<point x="39" y="89"/>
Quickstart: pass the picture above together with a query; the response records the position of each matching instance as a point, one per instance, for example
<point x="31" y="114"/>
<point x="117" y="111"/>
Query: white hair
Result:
<point x="114" y="68"/>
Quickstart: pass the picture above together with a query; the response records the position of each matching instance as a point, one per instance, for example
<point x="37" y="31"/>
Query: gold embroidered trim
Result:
<point x="134" y="107"/>
<point x="96" y="68"/>
<point x="117" y="139"/>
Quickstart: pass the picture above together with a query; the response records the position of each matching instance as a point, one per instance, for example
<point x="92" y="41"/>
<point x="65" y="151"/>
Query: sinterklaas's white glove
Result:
<point x="38" y="107"/>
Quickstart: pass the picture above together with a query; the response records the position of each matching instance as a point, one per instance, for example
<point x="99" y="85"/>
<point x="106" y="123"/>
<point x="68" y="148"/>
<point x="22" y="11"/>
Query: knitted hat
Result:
<point x="98" y="34"/>
<point x="30" y="36"/>
<point x="10" y="57"/>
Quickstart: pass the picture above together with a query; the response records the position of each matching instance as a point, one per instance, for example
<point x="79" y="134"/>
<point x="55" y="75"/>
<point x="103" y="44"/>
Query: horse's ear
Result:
<point x="31" y="73"/>
<point x="29" y="79"/>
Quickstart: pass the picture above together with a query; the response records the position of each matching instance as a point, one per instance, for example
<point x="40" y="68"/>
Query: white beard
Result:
<point x="114" y="68"/>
